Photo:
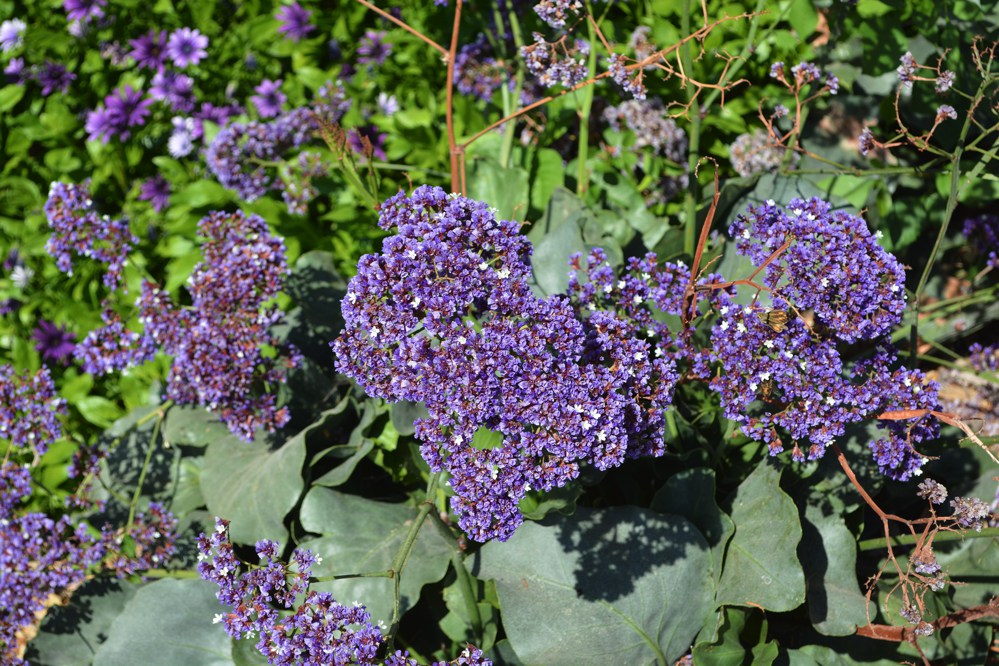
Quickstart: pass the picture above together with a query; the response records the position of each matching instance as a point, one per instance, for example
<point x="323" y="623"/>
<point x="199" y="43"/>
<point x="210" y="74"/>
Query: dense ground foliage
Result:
<point x="502" y="332"/>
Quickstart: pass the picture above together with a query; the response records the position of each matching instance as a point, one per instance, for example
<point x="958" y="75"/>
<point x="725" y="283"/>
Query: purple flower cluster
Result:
<point x="633" y="86"/>
<point x="320" y="631"/>
<point x="50" y="76"/>
<point x="827" y="262"/>
<point x="971" y="512"/>
<point x="29" y="409"/>
<point x="42" y="557"/>
<point x="242" y="154"/>
<point x="112" y="347"/>
<point x="555" y="12"/>
<point x="907" y="70"/>
<point x="982" y="234"/>
<point x="554" y="63"/>
<point x="186" y="46"/>
<point x="445" y="316"/>
<point x="803" y="74"/>
<point x="78" y="229"/>
<point x="984" y="358"/>
<point x="833" y="265"/>
<point x="269" y="98"/>
<point x="652" y="129"/>
<point x="477" y="71"/>
<point x="756" y="153"/>
<point x="216" y="341"/>
<point x="121" y="111"/>
<point x="150" y="50"/>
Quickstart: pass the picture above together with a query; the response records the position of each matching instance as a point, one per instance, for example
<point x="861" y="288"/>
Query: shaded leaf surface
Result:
<point x="622" y="585"/>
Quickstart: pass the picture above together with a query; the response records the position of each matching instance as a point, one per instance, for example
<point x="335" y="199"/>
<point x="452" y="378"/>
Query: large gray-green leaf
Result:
<point x="168" y="623"/>
<point x="71" y="634"/>
<point x="253" y="486"/>
<point x="505" y="189"/>
<point x="617" y="586"/>
<point x="363" y="536"/>
<point x="556" y="236"/>
<point x="828" y="552"/>
<point x="192" y="426"/>
<point x="761" y="565"/>
<point x="691" y="494"/>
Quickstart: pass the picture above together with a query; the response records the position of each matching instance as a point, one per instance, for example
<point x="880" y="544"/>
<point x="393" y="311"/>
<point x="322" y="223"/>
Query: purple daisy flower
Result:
<point x="53" y="76"/>
<point x="219" y="115"/>
<point x="10" y="34"/>
<point x="121" y="111"/>
<point x="356" y="136"/>
<point x="373" y="50"/>
<point x="294" y="21"/>
<point x="269" y="98"/>
<point x="53" y="342"/>
<point x="156" y="191"/>
<point x="187" y="47"/>
<point x="83" y="10"/>
<point x="149" y="51"/>
<point x="174" y="88"/>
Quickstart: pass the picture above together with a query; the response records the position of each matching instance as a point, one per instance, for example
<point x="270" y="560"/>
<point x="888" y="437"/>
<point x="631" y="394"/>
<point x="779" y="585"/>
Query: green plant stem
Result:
<point x="406" y="549"/>
<point x="145" y="468"/>
<point x="744" y="54"/>
<point x="909" y="540"/>
<point x="467" y="586"/>
<point x="582" y="173"/>
<point x="370" y="574"/>
<point x="952" y="199"/>
<point x="693" y="136"/>
<point x="511" y="101"/>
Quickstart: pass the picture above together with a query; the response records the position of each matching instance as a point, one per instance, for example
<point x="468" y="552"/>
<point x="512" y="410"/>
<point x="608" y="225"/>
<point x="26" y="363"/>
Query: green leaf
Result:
<point x="404" y="413"/>
<point x="71" y="634"/>
<point x="503" y="189"/>
<point x="98" y="410"/>
<point x="761" y="566"/>
<point x="836" y="605"/>
<point x="172" y="622"/>
<point x="556" y="236"/>
<point x="192" y="426"/>
<point x="363" y="536"/>
<point x="202" y="193"/>
<point x="253" y="486"/>
<point x="691" y="494"/>
<point x="10" y="96"/>
<point x="547" y="173"/>
<point x="621" y="586"/>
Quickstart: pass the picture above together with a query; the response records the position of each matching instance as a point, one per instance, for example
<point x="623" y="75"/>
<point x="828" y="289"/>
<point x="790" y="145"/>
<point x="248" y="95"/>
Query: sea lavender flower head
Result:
<point x="156" y="191"/>
<point x="216" y="341"/>
<point x="373" y="49"/>
<point x="907" y="70"/>
<point x="444" y="315"/>
<point x="269" y="98"/>
<point x="631" y="85"/>
<point x="53" y="342"/>
<point x="12" y="34"/>
<point x="186" y="46"/>
<point x="30" y="409"/>
<point x="832" y="264"/>
<point x="477" y="71"/>
<point x="294" y="20"/>
<point x="756" y="152"/>
<point x="122" y="110"/>
<point x="555" y="64"/>
<point x="84" y="10"/>
<point x="945" y="111"/>
<point x="555" y="12"/>
<point x="319" y="631"/>
<point x="944" y="82"/>
<point x="78" y="229"/>
<point x="150" y="50"/>
<point x="866" y="141"/>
